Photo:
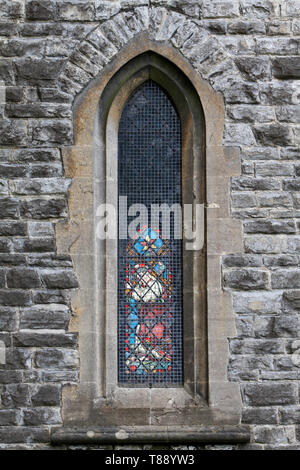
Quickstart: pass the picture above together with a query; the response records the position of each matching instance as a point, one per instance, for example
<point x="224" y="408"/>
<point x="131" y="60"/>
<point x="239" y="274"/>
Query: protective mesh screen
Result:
<point x="150" y="266"/>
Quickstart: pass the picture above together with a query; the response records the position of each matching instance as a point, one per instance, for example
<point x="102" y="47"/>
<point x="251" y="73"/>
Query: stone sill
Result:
<point x="152" y="435"/>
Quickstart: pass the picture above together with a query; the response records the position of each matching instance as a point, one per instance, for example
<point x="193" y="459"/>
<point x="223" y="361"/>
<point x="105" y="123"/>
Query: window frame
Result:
<point x="193" y="166"/>
<point x="211" y="398"/>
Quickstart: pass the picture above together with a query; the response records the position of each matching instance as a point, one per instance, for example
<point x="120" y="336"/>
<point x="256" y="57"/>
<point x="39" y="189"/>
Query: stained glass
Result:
<point x="150" y="266"/>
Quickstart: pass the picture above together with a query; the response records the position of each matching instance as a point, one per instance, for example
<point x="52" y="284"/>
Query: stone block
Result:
<point x="52" y="316"/>
<point x="262" y="394"/>
<point x="52" y="358"/>
<point x="246" y="279"/>
<point x="47" y="395"/>
<point x="23" y="278"/>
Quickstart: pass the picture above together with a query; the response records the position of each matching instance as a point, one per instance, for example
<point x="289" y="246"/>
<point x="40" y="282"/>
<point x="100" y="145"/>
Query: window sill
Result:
<point x="152" y="435"/>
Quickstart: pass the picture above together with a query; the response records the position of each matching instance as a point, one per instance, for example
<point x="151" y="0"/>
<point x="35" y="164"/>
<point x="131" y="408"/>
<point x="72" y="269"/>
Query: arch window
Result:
<point x="148" y="303"/>
<point x="150" y="265"/>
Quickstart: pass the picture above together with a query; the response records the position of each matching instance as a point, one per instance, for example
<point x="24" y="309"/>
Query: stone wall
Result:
<point x="50" y="50"/>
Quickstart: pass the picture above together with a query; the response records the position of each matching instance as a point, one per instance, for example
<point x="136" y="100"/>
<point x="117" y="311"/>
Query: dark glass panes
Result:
<point x="150" y="266"/>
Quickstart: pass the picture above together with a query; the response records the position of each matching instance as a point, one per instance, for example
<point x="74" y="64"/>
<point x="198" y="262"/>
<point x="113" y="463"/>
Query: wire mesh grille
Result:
<point x="150" y="267"/>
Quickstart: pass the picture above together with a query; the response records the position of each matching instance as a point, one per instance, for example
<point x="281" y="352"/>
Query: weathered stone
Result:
<point x="291" y="301"/>
<point x="12" y="132"/>
<point x="52" y="95"/>
<point x="76" y="10"/>
<point x="288" y="113"/>
<point x="281" y="260"/>
<point x="13" y="229"/>
<point x="11" y="9"/>
<point x="39" y="416"/>
<point x="239" y="134"/>
<point x="256" y="302"/>
<point x="286" y="68"/>
<point x="240" y="261"/>
<point x="5" y="246"/>
<point x="40" y="10"/>
<point x="51" y="132"/>
<point x="9" y="417"/>
<point x="286" y="326"/>
<point x="247" y="27"/>
<point x="259" y="416"/>
<point x="50" y="317"/>
<point x="256" y="347"/>
<point x="45" y="339"/>
<point x="37" y="70"/>
<point x="14" y="94"/>
<point x="270" y="394"/>
<point x="22" y="278"/>
<point x="20" y="434"/>
<point x="14" y="297"/>
<point x="274" y="199"/>
<point x="278" y="93"/>
<point x="244" y="326"/>
<point x="276" y="435"/>
<point x="220" y="9"/>
<point x="9" y="259"/>
<point x="50" y="297"/>
<point x="269" y="226"/>
<point x="263" y="327"/>
<point x="35" y="245"/>
<point x="59" y="279"/>
<point x="8" y="319"/>
<point x="260" y="153"/>
<point x="254" y="68"/>
<point x="36" y="155"/>
<point x="40" y="229"/>
<point x="16" y="395"/>
<point x="277" y="27"/>
<point x="38" y="110"/>
<point x="44" y="208"/>
<point x="45" y="170"/>
<point x="289" y="415"/>
<point x="257" y="184"/>
<point x="246" y="279"/>
<point x="41" y="186"/>
<point x="56" y="359"/>
<point x="285" y="279"/>
<point x="292" y="184"/>
<point x="47" y="395"/>
<point x="61" y="376"/>
<point x="292" y="245"/>
<point x="21" y="47"/>
<point x="242" y="93"/>
<point x="49" y="260"/>
<point x="8" y="170"/>
<point x="273" y="134"/>
<point x="10" y="377"/>
<point x="278" y="46"/>
<point x="251" y="113"/>
<point x="257" y="8"/>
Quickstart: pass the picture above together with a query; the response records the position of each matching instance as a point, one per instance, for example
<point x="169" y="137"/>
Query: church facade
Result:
<point x="117" y="117"/>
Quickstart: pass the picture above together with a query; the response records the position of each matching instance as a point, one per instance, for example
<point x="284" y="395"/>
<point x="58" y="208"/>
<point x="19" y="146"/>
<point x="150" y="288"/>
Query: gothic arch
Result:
<point x="87" y="404"/>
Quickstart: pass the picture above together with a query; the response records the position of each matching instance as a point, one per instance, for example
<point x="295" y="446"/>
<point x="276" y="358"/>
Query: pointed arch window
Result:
<point x="149" y="303"/>
<point x="150" y="265"/>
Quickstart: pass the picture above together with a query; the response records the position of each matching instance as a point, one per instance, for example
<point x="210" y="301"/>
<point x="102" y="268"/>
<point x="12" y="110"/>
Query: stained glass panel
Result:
<point x="150" y="266"/>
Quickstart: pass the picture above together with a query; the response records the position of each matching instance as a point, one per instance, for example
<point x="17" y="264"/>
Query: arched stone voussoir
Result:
<point x="202" y="50"/>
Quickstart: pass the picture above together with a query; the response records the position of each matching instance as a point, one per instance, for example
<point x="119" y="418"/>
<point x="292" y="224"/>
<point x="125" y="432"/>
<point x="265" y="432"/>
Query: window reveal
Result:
<point x="150" y="267"/>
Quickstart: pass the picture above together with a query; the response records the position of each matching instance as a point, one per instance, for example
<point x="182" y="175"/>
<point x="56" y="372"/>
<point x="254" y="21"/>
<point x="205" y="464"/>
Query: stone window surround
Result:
<point x="216" y="401"/>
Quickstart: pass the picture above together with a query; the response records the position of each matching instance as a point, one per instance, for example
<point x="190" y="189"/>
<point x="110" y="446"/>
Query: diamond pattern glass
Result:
<point x="150" y="266"/>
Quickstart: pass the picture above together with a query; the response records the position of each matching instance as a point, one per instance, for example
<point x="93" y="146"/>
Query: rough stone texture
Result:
<point x="249" y="51"/>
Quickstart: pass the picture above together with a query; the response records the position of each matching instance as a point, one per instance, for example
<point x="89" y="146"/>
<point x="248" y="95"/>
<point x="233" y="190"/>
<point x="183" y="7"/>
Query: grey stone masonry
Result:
<point x="249" y="52"/>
